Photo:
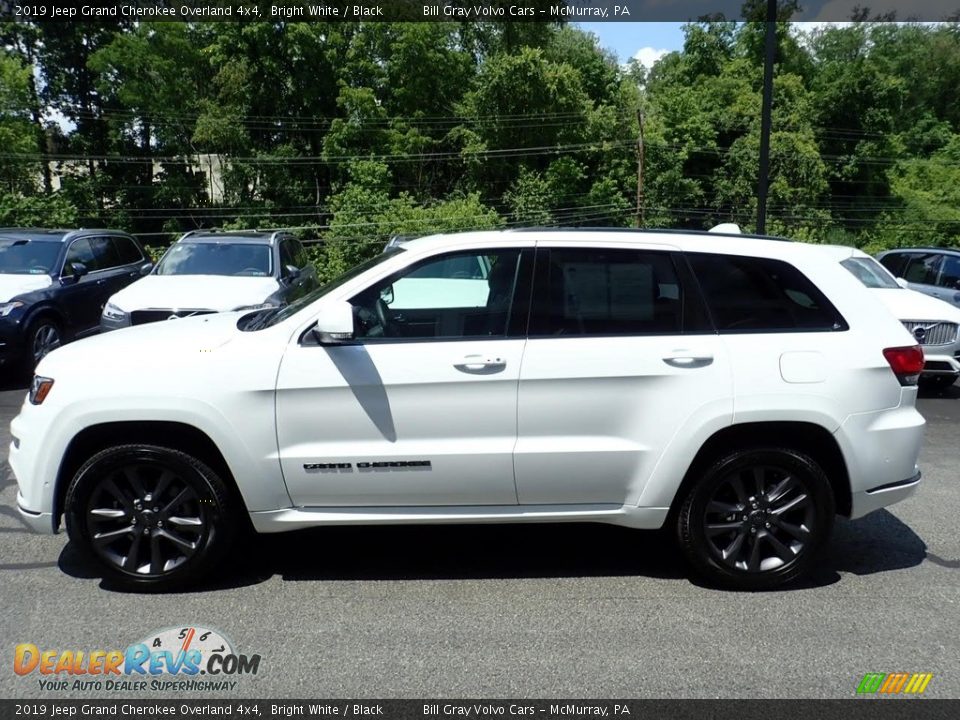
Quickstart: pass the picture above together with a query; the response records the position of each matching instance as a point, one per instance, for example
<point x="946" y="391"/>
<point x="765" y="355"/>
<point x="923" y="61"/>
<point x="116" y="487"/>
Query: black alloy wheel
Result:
<point x="757" y="519"/>
<point x="150" y="516"/>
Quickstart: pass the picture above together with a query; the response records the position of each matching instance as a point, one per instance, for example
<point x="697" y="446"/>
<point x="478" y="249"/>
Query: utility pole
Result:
<point x="639" y="221"/>
<point x="769" y="57"/>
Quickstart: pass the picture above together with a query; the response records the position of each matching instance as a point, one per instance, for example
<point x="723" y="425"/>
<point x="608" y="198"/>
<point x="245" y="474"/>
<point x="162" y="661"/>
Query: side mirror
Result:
<point x="77" y="271"/>
<point x="290" y="272"/>
<point x="387" y="295"/>
<point x="334" y="323"/>
<point x="146" y="268"/>
<point x="902" y="283"/>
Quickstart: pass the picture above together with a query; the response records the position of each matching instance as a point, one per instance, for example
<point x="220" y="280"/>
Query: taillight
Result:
<point x="906" y="363"/>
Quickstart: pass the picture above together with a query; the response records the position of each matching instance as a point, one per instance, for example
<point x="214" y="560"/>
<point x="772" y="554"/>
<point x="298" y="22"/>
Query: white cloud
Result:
<point x="647" y="56"/>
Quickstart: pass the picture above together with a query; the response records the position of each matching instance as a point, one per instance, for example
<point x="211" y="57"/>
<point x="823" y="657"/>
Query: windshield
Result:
<point x="870" y="272"/>
<point x="28" y="257"/>
<point x="268" y="318"/>
<point x="216" y="258"/>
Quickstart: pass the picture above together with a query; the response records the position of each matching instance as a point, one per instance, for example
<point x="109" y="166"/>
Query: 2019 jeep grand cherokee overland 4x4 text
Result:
<point x="742" y="390"/>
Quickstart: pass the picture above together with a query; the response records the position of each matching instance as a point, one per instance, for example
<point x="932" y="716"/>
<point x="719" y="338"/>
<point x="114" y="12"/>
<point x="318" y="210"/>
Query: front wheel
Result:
<point x="43" y="336"/>
<point x="757" y="519"/>
<point x="151" y="517"/>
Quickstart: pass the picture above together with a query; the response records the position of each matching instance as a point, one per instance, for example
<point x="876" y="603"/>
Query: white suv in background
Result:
<point x="737" y="389"/>
<point x="934" y="323"/>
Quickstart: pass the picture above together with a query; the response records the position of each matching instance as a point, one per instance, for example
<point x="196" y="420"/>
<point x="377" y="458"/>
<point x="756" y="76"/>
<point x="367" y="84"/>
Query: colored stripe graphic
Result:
<point x="894" y="683"/>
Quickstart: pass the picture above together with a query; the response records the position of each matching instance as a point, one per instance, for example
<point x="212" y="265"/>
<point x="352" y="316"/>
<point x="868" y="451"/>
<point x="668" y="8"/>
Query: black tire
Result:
<point x="43" y="336"/>
<point x="757" y="519"/>
<point x="151" y="517"/>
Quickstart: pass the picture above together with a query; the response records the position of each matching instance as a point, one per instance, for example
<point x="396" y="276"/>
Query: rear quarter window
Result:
<point x="750" y="295"/>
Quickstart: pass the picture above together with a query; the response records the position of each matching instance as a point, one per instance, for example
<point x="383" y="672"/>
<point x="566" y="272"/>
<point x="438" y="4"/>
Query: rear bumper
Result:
<point x="883" y="495"/>
<point x="881" y="451"/>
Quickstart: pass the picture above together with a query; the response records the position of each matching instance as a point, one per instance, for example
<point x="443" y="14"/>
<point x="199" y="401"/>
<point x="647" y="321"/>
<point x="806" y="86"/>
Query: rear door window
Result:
<point x="749" y="295"/>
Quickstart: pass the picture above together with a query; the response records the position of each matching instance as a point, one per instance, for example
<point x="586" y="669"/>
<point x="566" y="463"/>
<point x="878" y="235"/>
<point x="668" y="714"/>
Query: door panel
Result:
<point x="608" y="376"/>
<point x="412" y="413"/>
<point x="399" y="402"/>
<point x="595" y="413"/>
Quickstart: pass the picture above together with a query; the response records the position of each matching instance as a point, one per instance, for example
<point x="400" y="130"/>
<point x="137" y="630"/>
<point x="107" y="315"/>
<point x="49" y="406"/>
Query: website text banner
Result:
<point x="467" y="10"/>
<point x="436" y="709"/>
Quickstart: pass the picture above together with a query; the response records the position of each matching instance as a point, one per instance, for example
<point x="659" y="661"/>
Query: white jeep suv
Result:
<point x="740" y="390"/>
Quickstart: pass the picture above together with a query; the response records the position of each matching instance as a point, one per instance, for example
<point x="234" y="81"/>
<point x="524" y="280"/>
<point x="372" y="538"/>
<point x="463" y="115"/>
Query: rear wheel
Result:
<point x="757" y="519"/>
<point x="151" y="517"/>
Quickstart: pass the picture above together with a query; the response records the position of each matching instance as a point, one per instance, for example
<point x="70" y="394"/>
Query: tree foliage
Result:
<point x="353" y="132"/>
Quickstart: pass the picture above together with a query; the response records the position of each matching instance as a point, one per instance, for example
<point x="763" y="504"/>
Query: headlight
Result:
<point x="115" y="314"/>
<point x="39" y="389"/>
<point x="9" y="307"/>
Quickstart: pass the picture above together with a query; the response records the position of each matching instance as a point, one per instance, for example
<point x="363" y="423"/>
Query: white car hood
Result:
<point x="12" y="285"/>
<point x="912" y="305"/>
<point x="160" y="344"/>
<point x="194" y="292"/>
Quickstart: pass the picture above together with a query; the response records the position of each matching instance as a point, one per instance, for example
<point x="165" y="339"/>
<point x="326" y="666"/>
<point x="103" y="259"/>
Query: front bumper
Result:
<point x="35" y="481"/>
<point x="940" y="362"/>
<point x="11" y="342"/>
<point x="39" y="522"/>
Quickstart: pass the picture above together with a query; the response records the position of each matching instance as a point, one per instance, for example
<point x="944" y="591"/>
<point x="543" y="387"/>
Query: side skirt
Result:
<point x="270" y="521"/>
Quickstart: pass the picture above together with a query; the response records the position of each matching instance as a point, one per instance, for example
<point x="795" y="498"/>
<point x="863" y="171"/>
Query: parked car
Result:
<point x="934" y="323"/>
<point x="208" y="272"/>
<point x="740" y="391"/>
<point x="932" y="271"/>
<point x="54" y="284"/>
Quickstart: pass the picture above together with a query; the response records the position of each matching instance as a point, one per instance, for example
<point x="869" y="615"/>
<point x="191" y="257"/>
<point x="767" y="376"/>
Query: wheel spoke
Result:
<point x="737" y="484"/>
<point x="110" y="487"/>
<point x="733" y="549"/>
<point x="720" y="528"/>
<point x="105" y="514"/>
<point x="105" y="538"/>
<point x="722" y="508"/>
<point x="187" y="547"/>
<point x="162" y="482"/>
<point x="756" y="475"/>
<point x="798" y="531"/>
<point x="132" y="474"/>
<point x="181" y="498"/>
<point x="753" y="564"/>
<point x="798" y="502"/>
<point x="156" y="556"/>
<point x="782" y="489"/>
<point x="782" y="551"/>
<point x="130" y="562"/>
<point x="189" y="522"/>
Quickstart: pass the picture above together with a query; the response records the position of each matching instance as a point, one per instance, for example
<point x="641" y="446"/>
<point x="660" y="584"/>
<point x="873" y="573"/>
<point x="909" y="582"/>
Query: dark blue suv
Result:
<point x="54" y="284"/>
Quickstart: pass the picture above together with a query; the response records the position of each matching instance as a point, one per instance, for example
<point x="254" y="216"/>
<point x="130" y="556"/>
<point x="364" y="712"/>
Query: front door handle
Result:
<point x="688" y="359"/>
<point x="480" y="364"/>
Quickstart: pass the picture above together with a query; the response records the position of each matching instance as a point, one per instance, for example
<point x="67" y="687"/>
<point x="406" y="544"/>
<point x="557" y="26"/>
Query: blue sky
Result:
<point x="650" y="39"/>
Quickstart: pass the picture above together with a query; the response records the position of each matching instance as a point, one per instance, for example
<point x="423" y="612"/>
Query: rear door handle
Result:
<point x="688" y="359"/>
<point x="480" y="364"/>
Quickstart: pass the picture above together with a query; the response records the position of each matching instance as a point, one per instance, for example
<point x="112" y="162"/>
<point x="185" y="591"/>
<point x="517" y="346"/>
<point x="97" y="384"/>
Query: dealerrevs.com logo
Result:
<point x="174" y="659"/>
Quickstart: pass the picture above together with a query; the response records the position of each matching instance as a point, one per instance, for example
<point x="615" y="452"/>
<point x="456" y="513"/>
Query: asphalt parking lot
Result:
<point x="537" y="611"/>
